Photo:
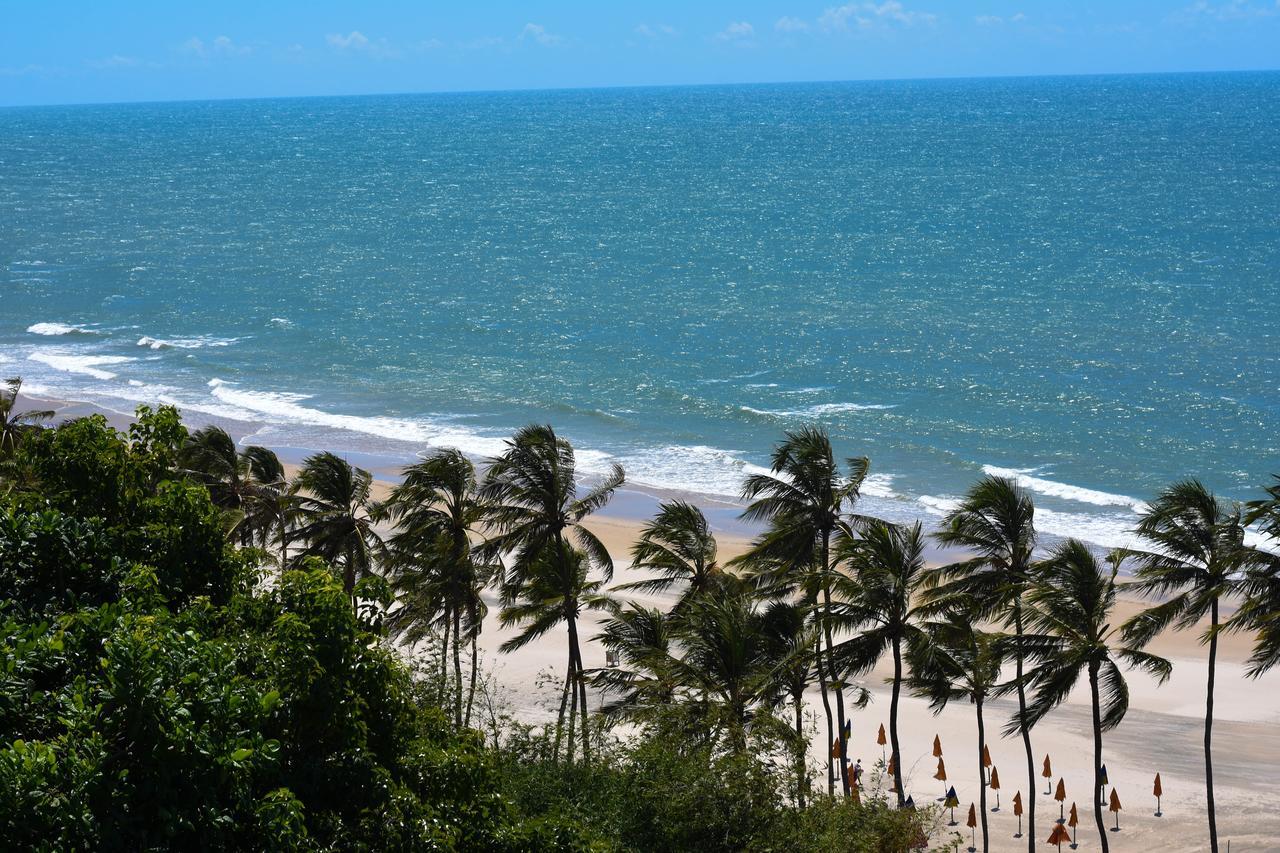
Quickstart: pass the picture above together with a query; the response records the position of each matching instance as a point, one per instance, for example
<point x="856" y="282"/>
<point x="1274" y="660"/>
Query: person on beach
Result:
<point x="857" y="773"/>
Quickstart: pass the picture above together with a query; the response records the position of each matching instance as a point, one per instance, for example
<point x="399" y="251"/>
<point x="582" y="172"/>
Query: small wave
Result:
<point x="1065" y="491"/>
<point x="820" y="410"/>
<point x="281" y="322"/>
<point x="879" y="486"/>
<point x="184" y="343"/>
<point x="935" y="505"/>
<point x="84" y="364"/>
<point x="697" y="469"/>
<point x="55" y="329"/>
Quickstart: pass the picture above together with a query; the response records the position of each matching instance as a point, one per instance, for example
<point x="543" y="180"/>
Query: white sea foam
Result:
<point x="85" y="364"/>
<point x="184" y="343"/>
<point x="879" y="486"/>
<point x="816" y="411"/>
<point x="1065" y="491"/>
<point x="55" y="329"/>
<point x="280" y="321"/>
<point x="935" y="505"/>
<point x="696" y="469"/>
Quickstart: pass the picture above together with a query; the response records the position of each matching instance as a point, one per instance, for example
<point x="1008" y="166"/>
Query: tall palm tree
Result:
<point x="643" y="639"/>
<point x="791" y="642"/>
<point x="804" y="500"/>
<point x="959" y="662"/>
<point x="679" y="546"/>
<point x="552" y="588"/>
<point x="14" y="424"/>
<point x="1070" y="611"/>
<point x="270" y="504"/>
<point x="335" y="516"/>
<point x="1197" y="558"/>
<point x="1260" y="610"/>
<point x="435" y="573"/>
<point x="534" y="511"/>
<point x="880" y="598"/>
<point x="995" y="522"/>
<point x="249" y="485"/>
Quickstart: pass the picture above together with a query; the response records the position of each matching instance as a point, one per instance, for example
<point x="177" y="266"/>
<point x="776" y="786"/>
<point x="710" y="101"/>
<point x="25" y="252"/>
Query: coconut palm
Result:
<point x="804" y="500"/>
<point x="534" y="511"/>
<point x="880" y="599"/>
<point x="14" y="424"/>
<point x="552" y="588"/>
<point x="249" y="485"/>
<point x="1260" y="610"/>
<point x="334" y="517"/>
<point x="1197" y="557"/>
<point x="642" y="638"/>
<point x="995" y="522"/>
<point x="436" y="575"/>
<point x="679" y="546"/>
<point x="1070" y="608"/>
<point x="958" y="663"/>
<point x="269" y="507"/>
<point x="791" y="641"/>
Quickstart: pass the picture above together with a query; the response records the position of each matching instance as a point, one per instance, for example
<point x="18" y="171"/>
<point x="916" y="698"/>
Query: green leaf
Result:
<point x="270" y="700"/>
<point x="241" y="754"/>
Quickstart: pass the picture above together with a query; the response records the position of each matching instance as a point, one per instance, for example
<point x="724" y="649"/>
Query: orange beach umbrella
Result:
<point x="1073" y="820"/>
<point x="1061" y="795"/>
<point x="1114" y="806"/>
<point x="986" y="756"/>
<point x="972" y="823"/>
<point x="1059" y="835"/>
<point x="1158" y="791"/>
<point x="1047" y="773"/>
<point x="942" y="771"/>
<point x="994" y="784"/>
<point x="1017" y="810"/>
<point x="880" y="738"/>
<point x="937" y="747"/>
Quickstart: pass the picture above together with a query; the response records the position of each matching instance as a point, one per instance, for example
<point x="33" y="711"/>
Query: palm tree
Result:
<point x="435" y="573"/>
<point x="531" y="492"/>
<point x="335" y="521"/>
<point x="1198" y="557"/>
<point x="1070" y="609"/>
<point x="959" y="663"/>
<point x="791" y="642"/>
<point x="14" y="424"/>
<point x="804" y="501"/>
<point x="679" y="546"/>
<point x="642" y="638"/>
<point x="888" y="569"/>
<point x="553" y="588"/>
<point x="995" y="522"/>
<point x="248" y="485"/>
<point x="1260" y="610"/>
<point x="269" y="507"/>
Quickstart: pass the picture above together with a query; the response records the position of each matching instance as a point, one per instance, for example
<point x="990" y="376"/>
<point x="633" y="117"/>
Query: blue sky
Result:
<point x="54" y="51"/>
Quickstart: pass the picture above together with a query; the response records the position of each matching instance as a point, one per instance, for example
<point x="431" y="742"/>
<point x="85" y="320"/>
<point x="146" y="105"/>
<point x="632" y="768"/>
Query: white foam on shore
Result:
<point x="879" y="486"/>
<point x="184" y="343"/>
<point x="1066" y="491"/>
<point x="935" y="505"/>
<point x="57" y="329"/>
<point x="696" y="469"/>
<point x="817" y="411"/>
<point x="84" y="364"/>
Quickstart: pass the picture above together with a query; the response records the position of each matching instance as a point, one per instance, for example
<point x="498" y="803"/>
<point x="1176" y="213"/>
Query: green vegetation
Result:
<point x="197" y="651"/>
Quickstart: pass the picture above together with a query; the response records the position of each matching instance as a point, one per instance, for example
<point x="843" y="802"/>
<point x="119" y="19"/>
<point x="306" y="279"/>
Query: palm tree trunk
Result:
<point x="457" y="668"/>
<point x="580" y="686"/>
<point x="571" y="744"/>
<point x="564" y="700"/>
<point x="826" y="706"/>
<point x="831" y="661"/>
<point x="471" y="688"/>
<point x="982" y="776"/>
<point x="1097" y="757"/>
<point x="797" y="701"/>
<point x="893" y="721"/>
<point x="443" y="690"/>
<point x="1026" y="732"/>
<point x="1208" y="727"/>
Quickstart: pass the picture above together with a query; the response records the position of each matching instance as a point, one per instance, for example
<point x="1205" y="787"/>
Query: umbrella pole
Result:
<point x="1075" y="834"/>
<point x="1116" y="828"/>
<point x="1019" y="834"/>
<point x="953" y="816"/>
<point x="1158" y="812"/>
<point x="997" y="808"/>
<point x="973" y="840"/>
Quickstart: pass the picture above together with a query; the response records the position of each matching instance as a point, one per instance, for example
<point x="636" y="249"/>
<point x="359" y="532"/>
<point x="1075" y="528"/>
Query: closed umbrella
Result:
<point x="937" y="747"/>
<point x="1017" y="810"/>
<point x="1061" y="796"/>
<point x="1102" y="791"/>
<point x="1059" y="835"/>
<point x="1158" y="791"/>
<point x="951" y="802"/>
<point x="882" y="740"/>
<point x="1073" y="820"/>
<point x="1047" y="773"/>
<point x="941" y="775"/>
<point x="1115" y="807"/>
<point x="986" y="758"/>
<point x="995" y="786"/>
<point x="972" y="823"/>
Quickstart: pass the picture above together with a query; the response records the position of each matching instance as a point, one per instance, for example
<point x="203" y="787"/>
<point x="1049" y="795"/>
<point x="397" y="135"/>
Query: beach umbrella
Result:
<point x="1073" y="821"/>
<point x="1059" y="835"/>
<point x="882" y="740"/>
<point x="941" y="776"/>
<point x="1061" y="796"/>
<point x="986" y="757"/>
<point x="835" y="748"/>
<point x="1017" y="810"/>
<point x="995" y="786"/>
<point x="1115" y="807"/>
<point x="1158" y="791"/>
<point x="1047" y="773"/>
<point x="937" y="747"/>
<point x="950" y="803"/>
<point x="1102" y="792"/>
<point x="910" y="803"/>
<point x="972" y="823"/>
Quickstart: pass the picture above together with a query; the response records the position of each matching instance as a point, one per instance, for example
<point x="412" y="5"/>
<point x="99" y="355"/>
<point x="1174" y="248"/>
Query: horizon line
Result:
<point x="626" y="86"/>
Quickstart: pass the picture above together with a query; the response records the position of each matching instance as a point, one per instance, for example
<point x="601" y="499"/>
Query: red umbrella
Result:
<point x="1017" y="810"/>
<point x="1061" y="796"/>
<point x="1158" y="791"/>
<point x="995" y="786"/>
<point x="1115" y="807"/>
<point x="1047" y="773"/>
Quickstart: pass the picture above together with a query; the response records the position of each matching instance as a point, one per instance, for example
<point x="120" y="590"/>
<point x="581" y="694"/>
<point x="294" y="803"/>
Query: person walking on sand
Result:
<point x="857" y="773"/>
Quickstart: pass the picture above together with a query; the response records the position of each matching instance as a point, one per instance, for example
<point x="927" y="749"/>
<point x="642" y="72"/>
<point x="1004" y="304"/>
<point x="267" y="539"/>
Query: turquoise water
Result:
<point x="1072" y="278"/>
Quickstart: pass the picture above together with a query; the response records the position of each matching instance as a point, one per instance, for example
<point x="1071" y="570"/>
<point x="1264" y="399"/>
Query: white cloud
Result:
<point x="115" y="61"/>
<point x="220" y="46"/>
<point x="996" y="20"/>
<point x="737" y="31"/>
<point x="655" y="30"/>
<point x="538" y="33"/>
<point x="788" y="24"/>
<point x="356" y="40"/>
<point x="867" y="16"/>
<point x="481" y="43"/>
<point x="1230" y="10"/>
<point x="1018" y="17"/>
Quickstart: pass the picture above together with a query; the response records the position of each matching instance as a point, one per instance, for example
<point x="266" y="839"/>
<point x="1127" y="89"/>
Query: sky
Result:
<point x="82" y="51"/>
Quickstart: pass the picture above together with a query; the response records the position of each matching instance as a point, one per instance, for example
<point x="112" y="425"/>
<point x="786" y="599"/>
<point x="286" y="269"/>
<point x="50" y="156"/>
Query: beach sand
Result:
<point x="1163" y="731"/>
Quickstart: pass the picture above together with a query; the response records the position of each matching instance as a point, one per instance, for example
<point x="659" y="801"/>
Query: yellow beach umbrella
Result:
<point x="1158" y="791"/>
<point x="1061" y="796"/>
<point x="1047" y="773"/>
<point x="1114" y="806"/>
<point x="1017" y="810"/>
<point x="950" y="802"/>
<point x="995" y="786"/>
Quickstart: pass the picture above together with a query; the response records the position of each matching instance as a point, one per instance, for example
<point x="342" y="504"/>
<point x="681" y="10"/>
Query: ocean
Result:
<point x="1073" y="281"/>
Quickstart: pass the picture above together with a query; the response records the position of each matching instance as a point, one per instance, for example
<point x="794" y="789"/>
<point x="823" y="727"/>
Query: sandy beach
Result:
<point x="1162" y="733"/>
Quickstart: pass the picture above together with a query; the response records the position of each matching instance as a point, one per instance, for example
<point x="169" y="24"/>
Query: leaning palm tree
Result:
<point x="995" y="522"/>
<point x="1197" y="557"/>
<point x="642" y="639"/>
<point x="269" y="507"/>
<point x="678" y="545"/>
<point x="804" y="501"/>
<point x="1070" y="608"/>
<point x="535" y="515"/>
<point x="959" y="663"/>
<point x="334" y="517"/>
<point x="790" y="637"/>
<point x="435" y="572"/>
<point x="14" y="424"/>
<point x="552" y="588"/>
<point x="1260" y="610"/>
<point x="247" y="485"/>
<point x="880" y="598"/>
